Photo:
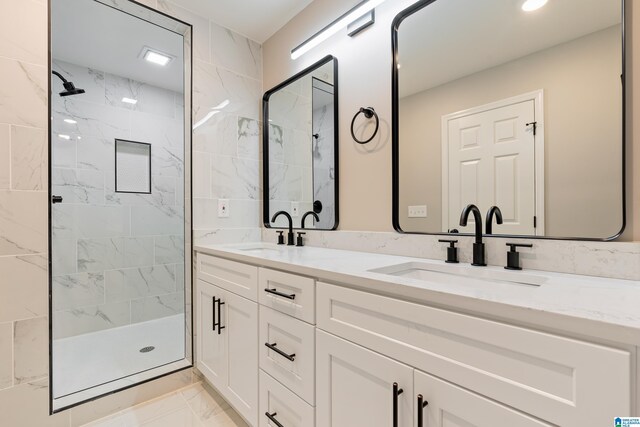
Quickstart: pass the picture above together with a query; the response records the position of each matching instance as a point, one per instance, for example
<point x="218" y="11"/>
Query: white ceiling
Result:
<point x="93" y="35"/>
<point x="256" y="19"/>
<point x="450" y="39"/>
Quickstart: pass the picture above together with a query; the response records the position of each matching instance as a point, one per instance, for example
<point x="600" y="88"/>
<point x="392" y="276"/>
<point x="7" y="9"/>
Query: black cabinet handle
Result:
<point x="213" y="314"/>
<point x="280" y="294"/>
<point x="421" y="405"/>
<point x="396" y="392"/>
<point x="272" y="418"/>
<point x="220" y="327"/>
<point x="273" y="347"/>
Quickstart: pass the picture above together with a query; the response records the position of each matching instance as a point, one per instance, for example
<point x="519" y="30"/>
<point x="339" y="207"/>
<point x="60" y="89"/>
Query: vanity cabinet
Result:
<point x="227" y="335"/>
<point x="306" y="352"/>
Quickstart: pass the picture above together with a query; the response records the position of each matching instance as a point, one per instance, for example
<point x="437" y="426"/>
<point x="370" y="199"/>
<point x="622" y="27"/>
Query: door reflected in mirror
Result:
<point x="301" y="149"/>
<point x="497" y="105"/>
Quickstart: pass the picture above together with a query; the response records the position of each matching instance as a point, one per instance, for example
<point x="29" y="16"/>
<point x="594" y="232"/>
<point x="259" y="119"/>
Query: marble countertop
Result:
<point x="608" y="309"/>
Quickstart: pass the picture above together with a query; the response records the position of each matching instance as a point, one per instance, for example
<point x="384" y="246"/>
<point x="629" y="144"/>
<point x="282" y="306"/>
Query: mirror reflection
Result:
<point x="501" y="105"/>
<point x="301" y="149"/>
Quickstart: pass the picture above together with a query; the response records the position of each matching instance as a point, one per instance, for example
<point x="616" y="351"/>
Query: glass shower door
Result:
<point x="120" y="236"/>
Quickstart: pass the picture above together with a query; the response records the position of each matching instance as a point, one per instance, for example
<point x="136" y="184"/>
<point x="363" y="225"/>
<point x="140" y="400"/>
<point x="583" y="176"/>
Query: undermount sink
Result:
<point x="459" y="274"/>
<point x="259" y="247"/>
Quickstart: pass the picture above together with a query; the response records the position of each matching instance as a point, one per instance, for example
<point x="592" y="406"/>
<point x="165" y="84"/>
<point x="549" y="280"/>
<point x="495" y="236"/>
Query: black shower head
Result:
<point x="70" y="88"/>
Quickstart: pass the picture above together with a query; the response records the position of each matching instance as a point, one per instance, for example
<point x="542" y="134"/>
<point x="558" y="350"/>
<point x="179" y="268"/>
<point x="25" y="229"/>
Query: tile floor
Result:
<point x="194" y="406"/>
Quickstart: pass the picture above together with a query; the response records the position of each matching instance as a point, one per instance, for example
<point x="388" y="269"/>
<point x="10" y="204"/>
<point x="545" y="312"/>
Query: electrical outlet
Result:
<point x="419" y="211"/>
<point x="223" y="208"/>
<point x="295" y="209"/>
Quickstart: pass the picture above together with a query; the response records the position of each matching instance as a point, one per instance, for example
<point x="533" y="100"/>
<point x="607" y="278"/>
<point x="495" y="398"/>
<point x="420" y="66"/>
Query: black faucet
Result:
<point x="304" y="218"/>
<point x="290" y="234"/>
<point x="488" y="225"/>
<point x="478" y="246"/>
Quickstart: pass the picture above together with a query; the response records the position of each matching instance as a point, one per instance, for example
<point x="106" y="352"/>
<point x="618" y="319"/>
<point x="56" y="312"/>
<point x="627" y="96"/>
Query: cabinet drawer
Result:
<point x="236" y="277"/>
<point x="292" y="339"/>
<point x="554" y="378"/>
<point x="287" y="408"/>
<point x="288" y="293"/>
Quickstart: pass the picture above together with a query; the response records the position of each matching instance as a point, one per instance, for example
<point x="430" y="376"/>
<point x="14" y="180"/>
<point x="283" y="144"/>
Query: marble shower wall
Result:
<point x="290" y="150"/>
<point x="227" y="93"/>
<point x="323" y="153"/>
<point x="118" y="258"/>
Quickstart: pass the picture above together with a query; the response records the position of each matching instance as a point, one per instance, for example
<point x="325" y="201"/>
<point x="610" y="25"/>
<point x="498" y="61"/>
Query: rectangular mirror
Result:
<point x="120" y="180"/>
<point x="300" y="148"/>
<point x="510" y="103"/>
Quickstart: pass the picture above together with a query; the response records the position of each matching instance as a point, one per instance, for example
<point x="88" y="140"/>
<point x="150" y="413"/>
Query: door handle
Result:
<point x="280" y="294"/>
<point x="272" y="418"/>
<point x="220" y="327"/>
<point x="396" y="392"/>
<point x="421" y="405"/>
<point x="274" y="347"/>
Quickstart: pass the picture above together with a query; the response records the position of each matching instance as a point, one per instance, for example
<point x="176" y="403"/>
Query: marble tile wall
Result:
<point x="227" y="93"/>
<point x="117" y="257"/>
<point x="220" y="72"/>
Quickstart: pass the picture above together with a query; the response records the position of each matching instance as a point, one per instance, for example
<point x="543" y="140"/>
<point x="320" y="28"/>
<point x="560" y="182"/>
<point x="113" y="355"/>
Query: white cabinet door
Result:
<point x="227" y="346"/>
<point x="240" y="323"/>
<point x="211" y="351"/>
<point x="355" y="386"/>
<point x="448" y="405"/>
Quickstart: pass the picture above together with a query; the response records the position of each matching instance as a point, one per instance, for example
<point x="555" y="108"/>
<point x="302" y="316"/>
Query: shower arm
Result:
<point x="59" y="76"/>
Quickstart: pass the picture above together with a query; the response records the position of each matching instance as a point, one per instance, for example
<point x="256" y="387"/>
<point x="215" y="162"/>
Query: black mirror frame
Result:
<point x="395" y="134"/>
<point x="265" y="140"/>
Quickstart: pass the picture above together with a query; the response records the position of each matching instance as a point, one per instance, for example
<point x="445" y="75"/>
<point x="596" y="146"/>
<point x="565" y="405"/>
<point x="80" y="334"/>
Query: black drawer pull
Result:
<point x="280" y="294"/>
<point x="220" y="327"/>
<point x="396" y="392"/>
<point x="213" y="316"/>
<point x="272" y="418"/>
<point x="273" y="347"/>
<point x="421" y="405"/>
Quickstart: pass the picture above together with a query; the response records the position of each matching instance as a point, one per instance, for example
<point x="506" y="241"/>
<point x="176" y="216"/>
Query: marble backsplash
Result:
<point x="620" y="260"/>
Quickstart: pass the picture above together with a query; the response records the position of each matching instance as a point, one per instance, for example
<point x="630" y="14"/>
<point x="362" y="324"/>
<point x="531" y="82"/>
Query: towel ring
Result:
<point x="368" y="113"/>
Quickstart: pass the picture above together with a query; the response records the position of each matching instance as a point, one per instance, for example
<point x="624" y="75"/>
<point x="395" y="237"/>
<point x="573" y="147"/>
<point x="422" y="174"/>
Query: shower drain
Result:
<point x="147" y="349"/>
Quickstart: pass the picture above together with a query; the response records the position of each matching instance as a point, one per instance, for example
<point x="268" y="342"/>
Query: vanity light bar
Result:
<point x="356" y="12"/>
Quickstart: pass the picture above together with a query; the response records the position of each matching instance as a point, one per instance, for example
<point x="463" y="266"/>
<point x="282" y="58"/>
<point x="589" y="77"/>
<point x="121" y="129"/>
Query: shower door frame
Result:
<point x="170" y="23"/>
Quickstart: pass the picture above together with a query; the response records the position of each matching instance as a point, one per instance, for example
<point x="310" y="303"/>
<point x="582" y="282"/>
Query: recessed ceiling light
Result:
<point x="61" y="136"/>
<point x="156" y="57"/>
<point x="70" y="121"/>
<point x="531" y="5"/>
<point x="129" y="101"/>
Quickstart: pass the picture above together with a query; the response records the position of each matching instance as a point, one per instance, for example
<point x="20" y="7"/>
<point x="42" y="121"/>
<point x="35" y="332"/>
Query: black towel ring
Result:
<point x="368" y="113"/>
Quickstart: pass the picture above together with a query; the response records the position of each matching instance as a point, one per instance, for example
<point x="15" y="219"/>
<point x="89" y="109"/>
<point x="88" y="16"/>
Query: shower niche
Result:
<point x="120" y="212"/>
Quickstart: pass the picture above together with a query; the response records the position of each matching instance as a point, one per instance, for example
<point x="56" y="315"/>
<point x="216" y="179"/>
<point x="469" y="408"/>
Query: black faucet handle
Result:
<point x="452" y="251"/>
<point x="300" y="240"/>
<point x="513" y="256"/>
<point x="280" y="237"/>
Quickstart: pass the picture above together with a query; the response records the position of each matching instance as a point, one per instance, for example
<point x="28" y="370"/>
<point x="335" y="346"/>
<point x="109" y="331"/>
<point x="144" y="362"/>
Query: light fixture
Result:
<point x="129" y="101"/>
<point x="215" y="110"/>
<point x="331" y="29"/>
<point x="70" y="121"/>
<point x="155" y="56"/>
<point x="531" y="5"/>
<point x="62" y="136"/>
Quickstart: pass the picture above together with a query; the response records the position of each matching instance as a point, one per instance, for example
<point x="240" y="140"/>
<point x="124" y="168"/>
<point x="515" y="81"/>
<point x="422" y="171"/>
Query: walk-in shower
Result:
<point x="120" y="216"/>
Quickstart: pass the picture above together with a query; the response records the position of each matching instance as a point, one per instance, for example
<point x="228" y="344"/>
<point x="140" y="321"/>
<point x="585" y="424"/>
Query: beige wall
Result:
<point x="365" y="79"/>
<point x="581" y="129"/>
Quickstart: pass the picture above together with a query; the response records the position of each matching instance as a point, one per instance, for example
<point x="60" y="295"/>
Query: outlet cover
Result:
<point x="295" y="209"/>
<point x="223" y="208"/>
<point x="419" y="211"/>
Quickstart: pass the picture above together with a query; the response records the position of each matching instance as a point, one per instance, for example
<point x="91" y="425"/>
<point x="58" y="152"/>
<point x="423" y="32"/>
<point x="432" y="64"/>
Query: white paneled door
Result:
<point x="489" y="158"/>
